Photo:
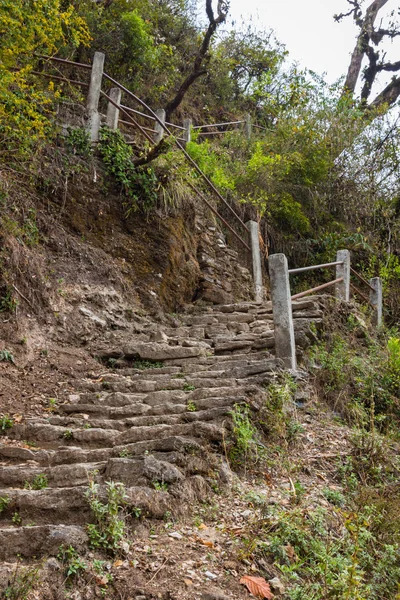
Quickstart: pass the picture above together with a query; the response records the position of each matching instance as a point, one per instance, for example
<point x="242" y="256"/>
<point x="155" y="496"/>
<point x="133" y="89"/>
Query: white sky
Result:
<point x="308" y="30"/>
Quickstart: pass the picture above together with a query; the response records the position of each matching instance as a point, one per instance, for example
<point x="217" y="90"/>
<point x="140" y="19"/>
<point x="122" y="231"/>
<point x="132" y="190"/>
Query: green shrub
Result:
<point x="6" y="422"/>
<point x="109" y="530"/>
<point x="140" y="184"/>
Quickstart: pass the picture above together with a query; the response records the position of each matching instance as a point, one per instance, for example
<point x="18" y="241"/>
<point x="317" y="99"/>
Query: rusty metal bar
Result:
<point x="218" y="124"/>
<point x="63" y="60"/>
<point x="132" y="125"/>
<point x="75" y="82"/>
<point x="363" y="296"/>
<point x="215" y="132"/>
<point x="362" y="279"/>
<point x="317" y="289"/>
<point x="216" y="213"/>
<point x="146" y="135"/>
<point x="137" y="112"/>
<point x="177" y="126"/>
<point x="179" y="145"/>
<point x="301" y="269"/>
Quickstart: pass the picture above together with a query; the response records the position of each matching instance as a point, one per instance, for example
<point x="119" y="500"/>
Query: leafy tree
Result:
<point x="27" y="27"/>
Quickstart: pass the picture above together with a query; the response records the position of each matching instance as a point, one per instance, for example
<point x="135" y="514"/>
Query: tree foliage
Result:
<point x="26" y="28"/>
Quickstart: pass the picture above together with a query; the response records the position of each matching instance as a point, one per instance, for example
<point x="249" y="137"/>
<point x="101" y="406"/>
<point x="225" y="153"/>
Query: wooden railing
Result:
<point x="282" y="298"/>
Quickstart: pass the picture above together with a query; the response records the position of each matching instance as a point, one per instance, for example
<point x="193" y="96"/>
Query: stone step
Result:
<point x="209" y="431"/>
<point x="57" y="476"/>
<point x="67" y="505"/>
<point x="44" y="433"/>
<point x="75" y="454"/>
<point x="40" y="540"/>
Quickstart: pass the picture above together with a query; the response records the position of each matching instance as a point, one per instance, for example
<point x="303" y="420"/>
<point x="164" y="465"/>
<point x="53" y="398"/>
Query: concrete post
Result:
<point x="187" y="123"/>
<point x="247" y="126"/>
<point x="160" y="112"/>
<point x="112" y="111"/>
<point x="94" y="95"/>
<point x="375" y="297"/>
<point x="342" y="289"/>
<point x="253" y="228"/>
<point x="282" y="310"/>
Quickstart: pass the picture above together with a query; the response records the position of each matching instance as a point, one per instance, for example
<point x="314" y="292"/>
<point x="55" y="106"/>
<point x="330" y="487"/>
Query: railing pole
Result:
<point x="112" y="110"/>
<point x="247" y="126"/>
<point x="375" y="297"/>
<point x="254" y="230"/>
<point x="342" y="289"/>
<point x="94" y="96"/>
<point x="187" y="124"/>
<point x="282" y="310"/>
<point x="160" y="112"/>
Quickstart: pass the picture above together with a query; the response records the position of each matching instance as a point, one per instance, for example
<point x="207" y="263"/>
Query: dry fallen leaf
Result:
<point x="118" y="563"/>
<point x="207" y="543"/>
<point x="257" y="586"/>
<point x="202" y="526"/>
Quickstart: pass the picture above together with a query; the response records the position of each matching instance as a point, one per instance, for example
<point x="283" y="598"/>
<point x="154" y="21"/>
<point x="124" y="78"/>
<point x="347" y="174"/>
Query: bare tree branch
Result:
<point x="389" y="95"/>
<point x="198" y="69"/>
<point x="367" y="29"/>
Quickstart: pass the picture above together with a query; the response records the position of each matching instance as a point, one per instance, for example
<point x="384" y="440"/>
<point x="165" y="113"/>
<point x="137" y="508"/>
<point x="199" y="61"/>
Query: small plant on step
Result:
<point x="147" y="364"/>
<point x="191" y="407"/>
<point x="188" y="387"/>
<point x="68" y="435"/>
<point x="6" y="422"/>
<point x="160" y="486"/>
<point x="22" y="582"/>
<point x="109" y="530"/>
<point x="6" y="356"/>
<point x="245" y="446"/>
<point x="16" y="518"/>
<point x="73" y="563"/>
<point x="39" y="482"/>
<point x="4" y="503"/>
<point x="52" y="405"/>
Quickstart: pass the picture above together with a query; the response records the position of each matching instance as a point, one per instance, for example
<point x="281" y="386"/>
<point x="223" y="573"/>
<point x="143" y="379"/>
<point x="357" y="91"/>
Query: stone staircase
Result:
<point x="141" y="426"/>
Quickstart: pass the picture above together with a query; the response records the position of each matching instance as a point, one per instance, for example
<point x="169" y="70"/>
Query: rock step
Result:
<point x="121" y="399"/>
<point x="75" y="454"/>
<point x="58" y="476"/>
<point x="67" y="505"/>
<point x="44" y="433"/>
<point x="138" y="410"/>
<point x="40" y="540"/>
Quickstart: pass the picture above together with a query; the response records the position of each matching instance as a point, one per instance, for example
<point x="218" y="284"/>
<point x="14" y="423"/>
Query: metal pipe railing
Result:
<point x="153" y="116"/>
<point x="137" y="112"/>
<point x="213" y="210"/>
<point x="63" y="60"/>
<point x="118" y="106"/>
<point x="302" y="269"/>
<point x="179" y="145"/>
<point x="317" y="289"/>
<point x="359" y="292"/>
<point x="364" y="281"/>
<point x="58" y="78"/>
<point x="218" y="124"/>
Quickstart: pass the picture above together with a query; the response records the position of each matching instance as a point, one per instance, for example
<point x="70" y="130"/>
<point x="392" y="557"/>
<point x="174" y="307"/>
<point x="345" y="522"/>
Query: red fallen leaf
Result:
<point x="257" y="586"/>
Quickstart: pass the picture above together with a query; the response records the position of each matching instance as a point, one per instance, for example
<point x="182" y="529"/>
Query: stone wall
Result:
<point x="224" y="278"/>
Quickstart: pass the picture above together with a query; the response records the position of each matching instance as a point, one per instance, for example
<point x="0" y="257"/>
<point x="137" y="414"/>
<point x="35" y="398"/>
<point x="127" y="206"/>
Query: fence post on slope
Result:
<point x="113" y="111"/>
<point x="375" y="297"/>
<point x="93" y="98"/>
<point x="160" y="112"/>
<point x="254" y="230"/>
<point x="342" y="289"/>
<point x="187" y="124"/>
<point x="247" y="126"/>
<point x="282" y="310"/>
